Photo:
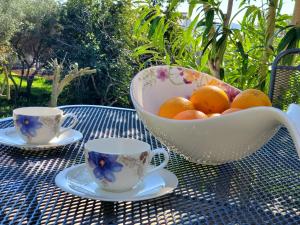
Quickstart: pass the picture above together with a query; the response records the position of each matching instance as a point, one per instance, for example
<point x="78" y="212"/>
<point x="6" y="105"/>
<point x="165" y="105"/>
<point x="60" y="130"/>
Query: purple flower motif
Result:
<point x="231" y="92"/>
<point x="105" y="165"/>
<point x="28" y="125"/>
<point x="187" y="81"/>
<point x="180" y="71"/>
<point x="162" y="74"/>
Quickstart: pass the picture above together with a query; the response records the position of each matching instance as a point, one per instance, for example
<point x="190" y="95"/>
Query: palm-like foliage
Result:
<point x="209" y="43"/>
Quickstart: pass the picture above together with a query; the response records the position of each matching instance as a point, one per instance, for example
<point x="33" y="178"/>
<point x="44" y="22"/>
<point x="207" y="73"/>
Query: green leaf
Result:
<point x="207" y="44"/>
<point x="153" y="26"/>
<point x="241" y="49"/>
<point x="261" y="19"/>
<point x="188" y="33"/>
<point x="209" y="19"/>
<point x="285" y="41"/>
<point x="223" y="17"/>
<point x="251" y="70"/>
<point x="141" y="19"/>
<point x="298" y="33"/>
<point x="167" y="58"/>
<point x="158" y="36"/>
<point x="250" y="11"/>
<point x="192" y="5"/>
<point x="282" y="29"/>
<point x="201" y="23"/>
<point x="242" y="3"/>
<point x="173" y="5"/>
<point x="238" y="35"/>
<point x="222" y="73"/>
<point x="204" y="59"/>
<point x="220" y="41"/>
<point x="279" y="7"/>
<point x="144" y="49"/>
<point x="288" y="59"/>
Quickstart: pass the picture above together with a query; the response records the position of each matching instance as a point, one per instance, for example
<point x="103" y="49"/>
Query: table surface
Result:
<point x="263" y="188"/>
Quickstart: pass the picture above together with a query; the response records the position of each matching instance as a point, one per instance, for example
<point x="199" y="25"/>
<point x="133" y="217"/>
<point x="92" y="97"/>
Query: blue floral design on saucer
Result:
<point x="105" y="165"/>
<point x="28" y="125"/>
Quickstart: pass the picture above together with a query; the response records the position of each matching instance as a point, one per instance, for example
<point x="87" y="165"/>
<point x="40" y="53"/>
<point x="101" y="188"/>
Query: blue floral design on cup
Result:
<point x="28" y="125"/>
<point x="105" y="165"/>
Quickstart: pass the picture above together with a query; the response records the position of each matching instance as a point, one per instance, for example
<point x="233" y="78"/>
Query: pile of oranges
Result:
<point x="211" y="101"/>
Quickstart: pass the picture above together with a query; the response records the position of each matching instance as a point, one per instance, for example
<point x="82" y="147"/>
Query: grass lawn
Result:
<point x="39" y="82"/>
<point x="40" y="95"/>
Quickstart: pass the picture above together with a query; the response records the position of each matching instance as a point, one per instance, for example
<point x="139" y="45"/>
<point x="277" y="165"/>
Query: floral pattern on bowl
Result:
<point x="155" y="81"/>
<point x="182" y="76"/>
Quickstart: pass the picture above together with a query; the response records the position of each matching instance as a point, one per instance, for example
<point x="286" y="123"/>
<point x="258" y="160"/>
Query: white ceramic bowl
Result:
<point x="210" y="141"/>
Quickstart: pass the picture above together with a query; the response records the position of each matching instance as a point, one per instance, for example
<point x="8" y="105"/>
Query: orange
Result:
<point x="214" y="115"/>
<point x="210" y="99"/>
<point x="231" y="110"/>
<point x="190" y="115"/>
<point x="173" y="106"/>
<point x="250" y="98"/>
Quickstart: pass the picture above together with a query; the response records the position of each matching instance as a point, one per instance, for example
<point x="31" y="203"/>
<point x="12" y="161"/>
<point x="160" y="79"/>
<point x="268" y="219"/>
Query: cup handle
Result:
<point x="163" y="164"/>
<point x="73" y="123"/>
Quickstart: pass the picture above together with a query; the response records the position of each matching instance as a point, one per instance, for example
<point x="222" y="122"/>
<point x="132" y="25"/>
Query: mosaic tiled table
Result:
<point x="263" y="188"/>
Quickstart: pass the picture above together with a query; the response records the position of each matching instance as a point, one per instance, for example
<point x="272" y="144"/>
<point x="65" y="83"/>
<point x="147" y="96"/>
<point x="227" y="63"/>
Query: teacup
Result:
<point x="119" y="164"/>
<point x="39" y="125"/>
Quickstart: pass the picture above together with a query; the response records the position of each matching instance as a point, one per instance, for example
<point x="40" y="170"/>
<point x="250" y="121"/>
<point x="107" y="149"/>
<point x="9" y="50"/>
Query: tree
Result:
<point x="4" y="86"/>
<point x="11" y="15"/>
<point x="296" y="14"/>
<point x="97" y="34"/>
<point x="268" y="42"/>
<point x="27" y="29"/>
<point x="218" y="47"/>
<point x="33" y="39"/>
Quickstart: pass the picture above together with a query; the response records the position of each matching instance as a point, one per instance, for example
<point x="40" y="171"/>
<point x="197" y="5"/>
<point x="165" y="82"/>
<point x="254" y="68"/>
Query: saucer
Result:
<point x="10" y="137"/>
<point x="77" y="181"/>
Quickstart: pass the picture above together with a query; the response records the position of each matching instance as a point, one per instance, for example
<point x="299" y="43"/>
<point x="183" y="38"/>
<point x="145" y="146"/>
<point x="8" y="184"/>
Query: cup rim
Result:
<point x="91" y="145"/>
<point x="37" y="111"/>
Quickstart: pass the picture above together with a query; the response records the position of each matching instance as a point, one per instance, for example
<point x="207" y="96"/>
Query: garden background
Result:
<point x="102" y="44"/>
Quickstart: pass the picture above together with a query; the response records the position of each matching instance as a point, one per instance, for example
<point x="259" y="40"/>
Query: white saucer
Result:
<point x="77" y="181"/>
<point x="10" y="137"/>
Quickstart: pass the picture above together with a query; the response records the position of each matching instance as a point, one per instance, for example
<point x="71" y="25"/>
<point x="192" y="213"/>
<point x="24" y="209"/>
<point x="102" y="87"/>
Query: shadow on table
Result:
<point x="221" y="195"/>
<point x="262" y="188"/>
<point x="23" y="179"/>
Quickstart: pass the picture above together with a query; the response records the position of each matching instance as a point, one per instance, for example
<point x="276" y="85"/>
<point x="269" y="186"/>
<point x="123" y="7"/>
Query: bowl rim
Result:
<point x="136" y="104"/>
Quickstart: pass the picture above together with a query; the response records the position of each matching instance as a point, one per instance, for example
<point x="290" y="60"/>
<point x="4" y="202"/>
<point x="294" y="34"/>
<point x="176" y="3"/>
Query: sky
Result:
<point x="288" y="7"/>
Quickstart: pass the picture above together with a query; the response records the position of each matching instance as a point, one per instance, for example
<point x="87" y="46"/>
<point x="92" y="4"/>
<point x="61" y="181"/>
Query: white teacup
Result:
<point x="119" y="164"/>
<point x="38" y="125"/>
